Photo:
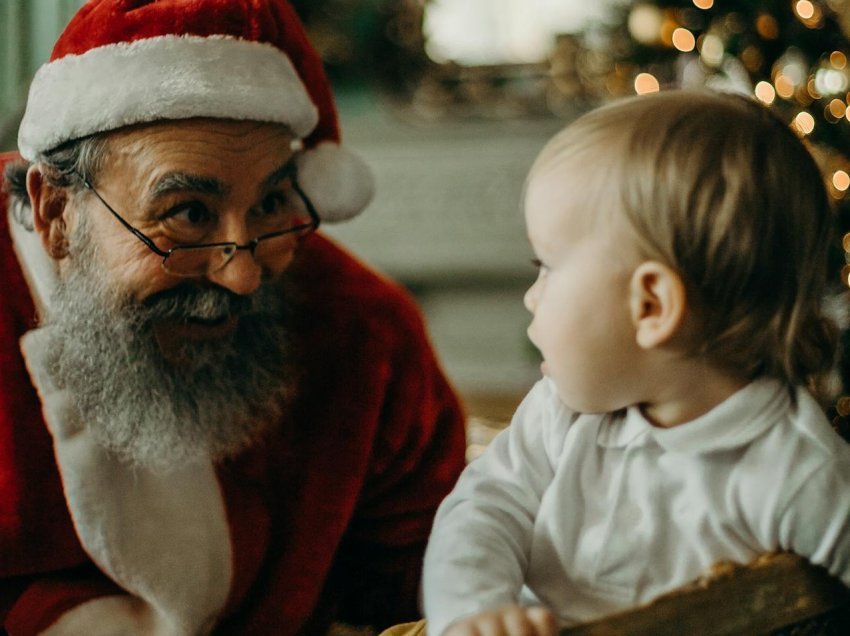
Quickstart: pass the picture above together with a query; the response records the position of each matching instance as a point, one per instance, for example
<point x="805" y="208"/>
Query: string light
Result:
<point x="830" y="81"/>
<point x="804" y="9"/>
<point x="703" y="4"/>
<point x="804" y="123"/>
<point x="784" y="86"/>
<point x="841" y="182"/>
<point x="711" y="50"/>
<point x="683" y="40"/>
<point x="645" y="22"/>
<point x="646" y="83"/>
<point x="767" y="27"/>
<point x="765" y="92"/>
<point x="838" y="60"/>
<point x="837" y="108"/>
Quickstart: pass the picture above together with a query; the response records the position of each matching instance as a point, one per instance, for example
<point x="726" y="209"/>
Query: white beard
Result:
<point x="220" y="399"/>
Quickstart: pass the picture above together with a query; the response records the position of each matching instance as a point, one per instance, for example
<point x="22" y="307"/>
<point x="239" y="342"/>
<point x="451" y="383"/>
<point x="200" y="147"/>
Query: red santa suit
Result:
<point x="326" y="519"/>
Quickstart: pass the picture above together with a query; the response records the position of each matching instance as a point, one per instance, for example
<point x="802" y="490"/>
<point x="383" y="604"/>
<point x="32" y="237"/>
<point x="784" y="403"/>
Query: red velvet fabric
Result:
<point x="329" y="517"/>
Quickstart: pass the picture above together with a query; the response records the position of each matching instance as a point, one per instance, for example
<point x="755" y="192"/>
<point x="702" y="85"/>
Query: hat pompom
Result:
<point x="337" y="181"/>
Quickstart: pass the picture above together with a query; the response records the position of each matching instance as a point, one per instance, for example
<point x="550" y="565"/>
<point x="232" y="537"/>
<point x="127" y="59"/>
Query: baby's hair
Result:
<point x="718" y="188"/>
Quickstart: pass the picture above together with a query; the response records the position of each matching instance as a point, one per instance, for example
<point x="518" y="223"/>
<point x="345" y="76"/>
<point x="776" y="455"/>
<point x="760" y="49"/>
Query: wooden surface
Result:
<point x="776" y="591"/>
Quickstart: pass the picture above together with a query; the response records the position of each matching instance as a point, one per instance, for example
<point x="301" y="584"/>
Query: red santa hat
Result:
<point x="124" y="62"/>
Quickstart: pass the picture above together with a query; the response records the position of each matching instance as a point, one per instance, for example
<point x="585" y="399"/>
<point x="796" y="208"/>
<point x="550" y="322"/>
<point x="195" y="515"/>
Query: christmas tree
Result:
<point x="792" y="55"/>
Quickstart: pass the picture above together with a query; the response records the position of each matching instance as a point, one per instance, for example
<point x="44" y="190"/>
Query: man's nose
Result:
<point x="242" y="275"/>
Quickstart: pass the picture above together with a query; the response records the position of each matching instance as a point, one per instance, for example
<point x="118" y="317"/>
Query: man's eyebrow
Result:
<point x="279" y="173"/>
<point x="186" y="182"/>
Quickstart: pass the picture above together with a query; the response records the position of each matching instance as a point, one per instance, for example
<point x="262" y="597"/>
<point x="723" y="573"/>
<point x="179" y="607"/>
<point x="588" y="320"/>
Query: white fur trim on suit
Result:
<point x="162" y="536"/>
<point x="164" y="77"/>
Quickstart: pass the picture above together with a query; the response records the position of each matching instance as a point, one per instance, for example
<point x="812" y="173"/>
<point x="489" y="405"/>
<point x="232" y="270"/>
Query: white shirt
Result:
<point x="599" y="513"/>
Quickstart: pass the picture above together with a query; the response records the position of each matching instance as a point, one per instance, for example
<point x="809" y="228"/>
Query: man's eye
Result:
<point x="275" y="203"/>
<point x="188" y="222"/>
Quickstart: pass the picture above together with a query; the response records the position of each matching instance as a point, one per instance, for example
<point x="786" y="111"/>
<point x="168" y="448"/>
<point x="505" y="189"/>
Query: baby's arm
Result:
<point x="816" y="523"/>
<point x="510" y="620"/>
<point x="477" y="555"/>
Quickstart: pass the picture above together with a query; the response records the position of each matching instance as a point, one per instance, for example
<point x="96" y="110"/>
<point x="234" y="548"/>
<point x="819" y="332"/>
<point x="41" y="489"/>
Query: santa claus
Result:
<point x="212" y="419"/>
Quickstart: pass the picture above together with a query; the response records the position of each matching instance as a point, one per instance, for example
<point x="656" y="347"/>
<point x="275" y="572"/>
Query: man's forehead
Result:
<point x="198" y="154"/>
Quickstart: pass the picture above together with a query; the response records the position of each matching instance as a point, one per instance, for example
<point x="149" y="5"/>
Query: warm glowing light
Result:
<point x="765" y="92"/>
<point x="812" y="89"/>
<point x="846" y="242"/>
<point x="684" y="40"/>
<point x="767" y="27"/>
<point x="752" y="58"/>
<point x="837" y="108"/>
<point x="646" y="83"/>
<point x="712" y="50"/>
<point x="667" y="29"/>
<point x="703" y="4"/>
<point x="838" y="60"/>
<point x="845" y="275"/>
<point x="841" y="181"/>
<point x="784" y="86"/>
<point x="805" y="9"/>
<point x="830" y="82"/>
<point x="804" y="122"/>
<point x="645" y="22"/>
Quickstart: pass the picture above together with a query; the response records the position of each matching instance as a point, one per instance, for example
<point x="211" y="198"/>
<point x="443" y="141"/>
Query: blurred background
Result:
<point x="450" y="100"/>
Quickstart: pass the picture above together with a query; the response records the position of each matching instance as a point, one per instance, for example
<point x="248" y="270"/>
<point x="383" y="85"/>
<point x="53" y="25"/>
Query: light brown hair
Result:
<point x="718" y="188"/>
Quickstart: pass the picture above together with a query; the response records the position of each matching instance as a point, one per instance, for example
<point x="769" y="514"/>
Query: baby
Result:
<point x="681" y="241"/>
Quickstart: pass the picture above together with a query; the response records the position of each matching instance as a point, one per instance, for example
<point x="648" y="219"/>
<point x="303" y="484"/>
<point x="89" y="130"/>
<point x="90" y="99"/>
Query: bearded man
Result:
<point x="212" y="419"/>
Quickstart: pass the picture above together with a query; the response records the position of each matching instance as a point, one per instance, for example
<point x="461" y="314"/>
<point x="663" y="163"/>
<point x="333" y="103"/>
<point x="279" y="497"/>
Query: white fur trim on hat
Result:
<point x="337" y="181"/>
<point x="164" y="77"/>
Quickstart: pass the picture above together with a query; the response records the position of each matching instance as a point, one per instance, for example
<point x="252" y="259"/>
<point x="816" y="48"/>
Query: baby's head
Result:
<point x="716" y="199"/>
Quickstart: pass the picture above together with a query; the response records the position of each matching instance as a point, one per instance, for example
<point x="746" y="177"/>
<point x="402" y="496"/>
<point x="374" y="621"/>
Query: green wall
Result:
<point x="28" y="29"/>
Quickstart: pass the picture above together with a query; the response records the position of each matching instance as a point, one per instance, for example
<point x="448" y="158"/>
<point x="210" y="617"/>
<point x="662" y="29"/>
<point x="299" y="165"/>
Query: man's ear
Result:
<point x="49" y="203"/>
<point x="657" y="301"/>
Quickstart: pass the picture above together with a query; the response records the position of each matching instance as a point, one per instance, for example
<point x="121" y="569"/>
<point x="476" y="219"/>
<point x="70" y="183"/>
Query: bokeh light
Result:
<point x="645" y="22"/>
<point x="765" y="92"/>
<point x="711" y="50"/>
<point x="646" y="83"/>
<point x="767" y="26"/>
<point x="841" y="182"/>
<point x="805" y="9"/>
<point x="804" y="123"/>
<point x="684" y="40"/>
<point x="837" y="108"/>
<point x="703" y="4"/>
<point x="784" y="86"/>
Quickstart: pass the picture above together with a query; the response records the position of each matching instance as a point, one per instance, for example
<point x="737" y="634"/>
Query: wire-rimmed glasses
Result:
<point x="297" y="219"/>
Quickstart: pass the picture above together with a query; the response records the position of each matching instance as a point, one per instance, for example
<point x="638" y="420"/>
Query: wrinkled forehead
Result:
<point x="223" y="149"/>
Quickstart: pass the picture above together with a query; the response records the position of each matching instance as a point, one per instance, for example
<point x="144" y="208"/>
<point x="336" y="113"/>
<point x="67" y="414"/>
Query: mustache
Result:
<point x="190" y="301"/>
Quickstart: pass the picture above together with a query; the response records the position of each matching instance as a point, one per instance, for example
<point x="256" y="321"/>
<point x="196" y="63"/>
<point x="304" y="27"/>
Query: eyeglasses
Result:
<point x="295" y="219"/>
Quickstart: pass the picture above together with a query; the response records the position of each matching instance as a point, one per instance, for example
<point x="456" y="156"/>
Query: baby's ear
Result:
<point x="657" y="302"/>
<point x="49" y="203"/>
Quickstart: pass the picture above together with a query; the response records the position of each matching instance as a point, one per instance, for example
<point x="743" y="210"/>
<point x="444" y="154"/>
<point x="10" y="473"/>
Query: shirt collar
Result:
<point x="736" y="421"/>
